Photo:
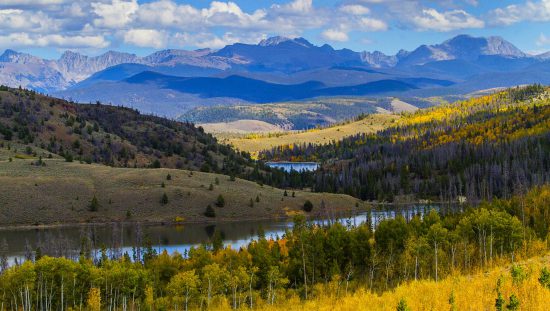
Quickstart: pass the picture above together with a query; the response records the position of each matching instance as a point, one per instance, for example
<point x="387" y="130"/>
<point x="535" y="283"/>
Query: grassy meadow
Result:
<point x="60" y="192"/>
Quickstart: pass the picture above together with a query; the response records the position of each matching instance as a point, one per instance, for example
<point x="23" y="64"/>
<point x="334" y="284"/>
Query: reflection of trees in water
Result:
<point x="210" y="229"/>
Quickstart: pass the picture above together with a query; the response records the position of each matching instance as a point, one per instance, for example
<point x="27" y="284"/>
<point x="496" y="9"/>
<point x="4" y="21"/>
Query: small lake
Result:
<point x="65" y="241"/>
<point x="294" y="166"/>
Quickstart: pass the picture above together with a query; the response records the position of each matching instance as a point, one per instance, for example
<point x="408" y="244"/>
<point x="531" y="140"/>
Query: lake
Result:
<point x="294" y="166"/>
<point x="65" y="241"/>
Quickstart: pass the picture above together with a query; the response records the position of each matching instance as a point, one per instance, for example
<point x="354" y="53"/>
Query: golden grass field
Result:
<point x="255" y="143"/>
<point x="61" y="192"/>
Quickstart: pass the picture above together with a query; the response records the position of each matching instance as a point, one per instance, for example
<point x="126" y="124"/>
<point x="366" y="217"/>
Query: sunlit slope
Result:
<point x="475" y="292"/>
<point x="370" y="124"/>
<point x="62" y="192"/>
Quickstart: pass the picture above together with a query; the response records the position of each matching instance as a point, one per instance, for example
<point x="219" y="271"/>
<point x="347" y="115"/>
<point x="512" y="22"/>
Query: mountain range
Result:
<point x="169" y="82"/>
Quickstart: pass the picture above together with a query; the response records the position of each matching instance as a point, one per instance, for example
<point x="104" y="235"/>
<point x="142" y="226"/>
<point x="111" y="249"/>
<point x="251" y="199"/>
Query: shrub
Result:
<point x="168" y="177"/>
<point x="518" y="274"/>
<point x="544" y="278"/>
<point x="220" y="201"/>
<point x="211" y="187"/>
<point x="402" y="305"/>
<point x="308" y="206"/>
<point x="210" y="212"/>
<point x="94" y="204"/>
<point x="513" y="305"/>
<point x="164" y="199"/>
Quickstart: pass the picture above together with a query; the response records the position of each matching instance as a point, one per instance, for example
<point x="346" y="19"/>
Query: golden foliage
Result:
<point x="476" y="292"/>
<point x="94" y="299"/>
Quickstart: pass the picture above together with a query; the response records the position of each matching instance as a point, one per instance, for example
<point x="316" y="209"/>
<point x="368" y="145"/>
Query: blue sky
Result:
<point x="48" y="27"/>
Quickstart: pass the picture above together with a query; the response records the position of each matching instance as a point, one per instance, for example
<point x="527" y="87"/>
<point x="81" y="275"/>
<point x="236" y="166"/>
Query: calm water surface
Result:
<point x="66" y="241"/>
<point x="295" y="166"/>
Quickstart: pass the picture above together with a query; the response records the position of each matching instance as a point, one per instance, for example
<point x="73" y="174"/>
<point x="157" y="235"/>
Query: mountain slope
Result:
<point x="480" y="149"/>
<point x="61" y="192"/>
<point x="259" y="91"/>
<point x="108" y="135"/>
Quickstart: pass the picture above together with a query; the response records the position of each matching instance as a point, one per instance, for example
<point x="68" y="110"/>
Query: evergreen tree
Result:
<point x="308" y="206"/>
<point x="210" y="212"/>
<point x="164" y="199"/>
<point x="220" y="201"/>
<point x="513" y="305"/>
<point x="544" y="278"/>
<point x="402" y="305"/>
<point x="94" y="204"/>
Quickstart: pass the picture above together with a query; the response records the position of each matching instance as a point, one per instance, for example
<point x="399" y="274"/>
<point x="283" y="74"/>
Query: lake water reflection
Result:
<point x="66" y="241"/>
<point x="296" y="166"/>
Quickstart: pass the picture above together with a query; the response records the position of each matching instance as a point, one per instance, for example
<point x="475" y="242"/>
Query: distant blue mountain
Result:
<point x="261" y="91"/>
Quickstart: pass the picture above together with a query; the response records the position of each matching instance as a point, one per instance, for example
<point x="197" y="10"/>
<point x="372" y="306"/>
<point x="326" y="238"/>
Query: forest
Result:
<point x="308" y="262"/>
<point x="119" y="137"/>
<point x="490" y="147"/>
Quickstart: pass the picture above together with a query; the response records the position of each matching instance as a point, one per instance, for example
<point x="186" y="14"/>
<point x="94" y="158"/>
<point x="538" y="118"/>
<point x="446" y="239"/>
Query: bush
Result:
<point x="168" y="177"/>
<point x="94" y="204"/>
<point x="544" y="278"/>
<point x="518" y="274"/>
<point x="220" y="201"/>
<point x="402" y="305"/>
<point x="164" y="199"/>
<point x="308" y="206"/>
<point x="210" y="212"/>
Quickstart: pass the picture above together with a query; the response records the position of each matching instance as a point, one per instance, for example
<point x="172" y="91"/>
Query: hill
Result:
<point x="468" y="292"/>
<point x="120" y="137"/>
<point x="306" y="114"/>
<point x="108" y="135"/>
<point x="479" y="149"/>
<point x="55" y="192"/>
<point x="254" y="143"/>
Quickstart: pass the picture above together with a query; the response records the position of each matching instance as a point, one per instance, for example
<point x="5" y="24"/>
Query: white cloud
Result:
<point x="114" y="15"/>
<point x="209" y="40"/>
<point x="31" y="2"/>
<point x="168" y="14"/>
<point x="54" y="40"/>
<point x="355" y="9"/>
<point x="296" y="6"/>
<point x="431" y="19"/>
<point x="543" y="40"/>
<point x="372" y="24"/>
<point x="538" y="11"/>
<point x="335" y="35"/>
<point x="145" y="38"/>
<point x="230" y="14"/>
<point x="20" y="20"/>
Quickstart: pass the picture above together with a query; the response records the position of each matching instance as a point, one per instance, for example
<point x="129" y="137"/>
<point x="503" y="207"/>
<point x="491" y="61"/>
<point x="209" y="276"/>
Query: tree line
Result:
<point x="266" y="271"/>
<point x="489" y="147"/>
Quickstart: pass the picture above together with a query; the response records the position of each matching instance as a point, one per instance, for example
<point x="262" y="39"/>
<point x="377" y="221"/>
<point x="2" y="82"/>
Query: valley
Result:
<point x="218" y="160"/>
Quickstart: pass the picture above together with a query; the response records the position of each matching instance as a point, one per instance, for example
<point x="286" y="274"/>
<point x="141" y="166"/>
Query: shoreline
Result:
<point x="372" y="205"/>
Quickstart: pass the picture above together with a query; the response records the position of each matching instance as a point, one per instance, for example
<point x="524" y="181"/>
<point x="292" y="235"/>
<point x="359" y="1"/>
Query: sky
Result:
<point x="47" y="28"/>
